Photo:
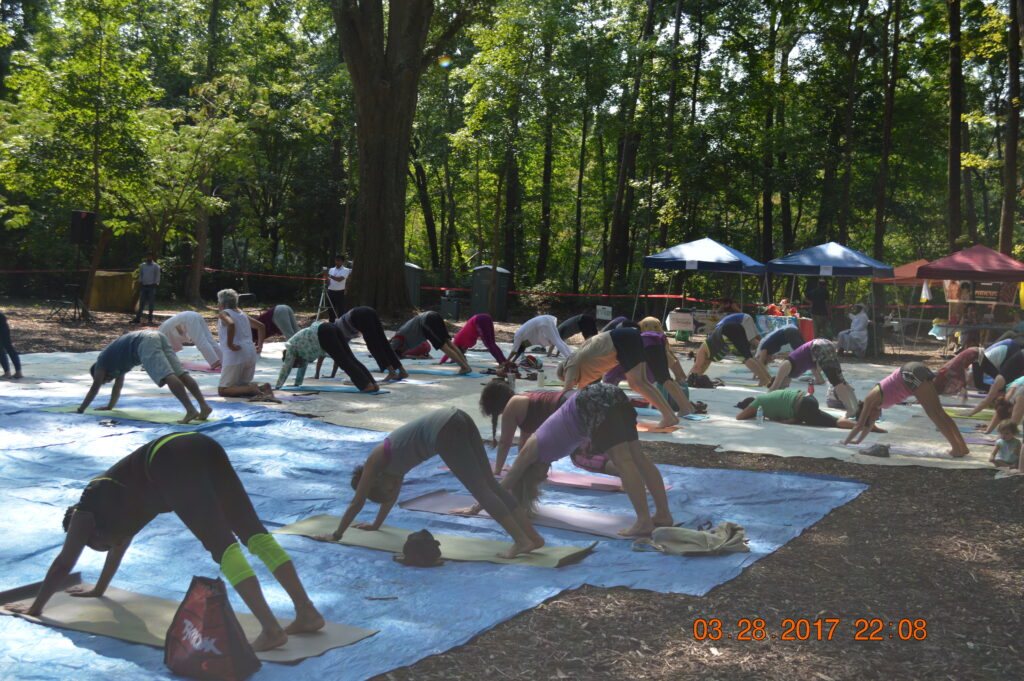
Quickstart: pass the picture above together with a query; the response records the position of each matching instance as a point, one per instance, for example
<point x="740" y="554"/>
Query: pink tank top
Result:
<point x="894" y="390"/>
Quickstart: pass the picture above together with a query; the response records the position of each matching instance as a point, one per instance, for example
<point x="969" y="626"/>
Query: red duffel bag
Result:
<point x="205" y="640"/>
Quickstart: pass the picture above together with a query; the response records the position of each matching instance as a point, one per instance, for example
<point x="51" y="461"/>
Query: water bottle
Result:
<point x="541" y="379"/>
<point x="810" y="388"/>
<point x="511" y="378"/>
<point x="760" y="414"/>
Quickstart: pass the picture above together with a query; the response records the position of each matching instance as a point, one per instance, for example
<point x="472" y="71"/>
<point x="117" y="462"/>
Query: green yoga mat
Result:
<point x="453" y="547"/>
<point x="983" y="415"/>
<point x="150" y="415"/>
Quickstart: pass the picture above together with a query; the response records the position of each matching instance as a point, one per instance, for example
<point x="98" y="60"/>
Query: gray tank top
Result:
<point x="416" y="441"/>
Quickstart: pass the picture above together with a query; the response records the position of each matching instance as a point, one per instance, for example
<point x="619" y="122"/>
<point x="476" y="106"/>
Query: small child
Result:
<point x="1006" y="453"/>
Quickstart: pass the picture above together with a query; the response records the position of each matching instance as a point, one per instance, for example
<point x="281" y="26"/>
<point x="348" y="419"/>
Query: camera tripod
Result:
<point x="325" y="304"/>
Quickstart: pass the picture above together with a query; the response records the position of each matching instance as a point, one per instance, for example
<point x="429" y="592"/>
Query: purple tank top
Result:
<point x="542" y="405"/>
<point x="802" y="359"/>
<point x="561" y="433"/>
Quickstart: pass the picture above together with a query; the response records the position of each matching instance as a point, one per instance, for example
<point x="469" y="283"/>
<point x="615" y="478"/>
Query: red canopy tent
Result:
<point x="977" y="263"/>
<point x="904" y="275"/>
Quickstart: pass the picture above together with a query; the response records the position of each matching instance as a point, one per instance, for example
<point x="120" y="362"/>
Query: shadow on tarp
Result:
<point x="294" y="468"/>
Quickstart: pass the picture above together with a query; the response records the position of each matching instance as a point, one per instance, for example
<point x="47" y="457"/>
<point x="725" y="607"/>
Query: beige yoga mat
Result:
<point x="137" y="618"/>
<point x="150" y="415"/>
<point x="453" y="546"/>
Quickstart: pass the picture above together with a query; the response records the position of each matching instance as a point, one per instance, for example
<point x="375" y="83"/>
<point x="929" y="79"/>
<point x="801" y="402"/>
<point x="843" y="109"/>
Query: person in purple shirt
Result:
<point x="818" y="356"/>
<point x="277" y="320"/>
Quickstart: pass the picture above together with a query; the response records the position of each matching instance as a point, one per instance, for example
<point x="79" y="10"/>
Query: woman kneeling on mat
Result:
<point x="312" y="344"/>
<point x="189" y="474"/>
<point x="451" y="434"/>
<point x="793" y="406"/>
<point x="913" y="379"/>
<point x="602" y="414"/>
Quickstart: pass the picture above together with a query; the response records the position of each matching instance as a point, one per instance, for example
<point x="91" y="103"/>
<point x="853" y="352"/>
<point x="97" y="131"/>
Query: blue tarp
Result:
<point x="830" y="260"/>
<point x="295" y="467"/>
<point x="703" y="255"/>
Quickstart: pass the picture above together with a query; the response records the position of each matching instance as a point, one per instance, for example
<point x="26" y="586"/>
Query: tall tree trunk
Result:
<point x="768" y="151"/>
<point x="890" y="80"/>
<point x="426" y="205"/>
<point x="617" y="261"/>
<point x="670" y="117"/>
<point x="545" y="182"/>
<point x="849" y="129"/>
<point x="954" y="218"/>
<point x="1008" y="211"/>
<point x="512" y="222"/>
<point x="698" y="59"/>
<point x="578" y="226"/>
<point x="785" y="190"/>
<point x="970" y="213"/>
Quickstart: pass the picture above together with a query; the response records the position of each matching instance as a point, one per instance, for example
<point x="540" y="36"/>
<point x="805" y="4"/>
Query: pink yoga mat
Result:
<point x="577" y="480"/>
<point x="202" y="367"/>
<point x="558" y="517"/>
<point x="979" y="441"/>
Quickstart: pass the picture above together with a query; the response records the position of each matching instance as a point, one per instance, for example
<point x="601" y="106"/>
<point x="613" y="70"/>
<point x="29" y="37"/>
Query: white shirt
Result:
<point x="342" y="271"/>
<point x="190" y="327"/>
<point x="243" y="340"/>
<point x="541" y="330"/>
<point x="859" y="324"/>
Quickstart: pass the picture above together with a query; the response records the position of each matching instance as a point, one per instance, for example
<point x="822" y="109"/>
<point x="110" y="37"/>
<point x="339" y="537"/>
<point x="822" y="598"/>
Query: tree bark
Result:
<point x="578" y="227"/>
<point x="386" y="54"/>
<point x="548" y="163"/>
<point x="670" y="116"/>
<point x="423" y="193"/>
<point x="954" y="218"/>
<point x="890" y="78"/>
<point x="1007" y="213"/>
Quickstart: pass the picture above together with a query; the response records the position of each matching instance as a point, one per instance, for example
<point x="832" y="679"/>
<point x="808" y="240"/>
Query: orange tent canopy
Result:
<point x="904" y="275"/>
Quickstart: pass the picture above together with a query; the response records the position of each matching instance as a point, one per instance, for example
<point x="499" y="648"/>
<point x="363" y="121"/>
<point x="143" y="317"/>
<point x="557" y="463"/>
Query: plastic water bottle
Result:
<point x="810" y="388"/>
<point x="511" y="378"/>
<point x="541" y="379"/>
<point x="760" y="414"/>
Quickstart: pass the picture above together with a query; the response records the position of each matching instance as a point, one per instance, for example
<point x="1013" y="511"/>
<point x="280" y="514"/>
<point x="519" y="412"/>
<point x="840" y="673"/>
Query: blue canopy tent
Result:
<point x="702" y="255"/>
<point x="830" y="260"/>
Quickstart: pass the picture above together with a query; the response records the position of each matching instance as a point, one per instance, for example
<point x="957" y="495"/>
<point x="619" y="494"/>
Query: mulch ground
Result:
<point x="942" y="546"/>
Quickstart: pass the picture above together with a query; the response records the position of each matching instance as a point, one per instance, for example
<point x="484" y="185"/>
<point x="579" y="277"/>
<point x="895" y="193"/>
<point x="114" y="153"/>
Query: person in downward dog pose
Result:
<point x="656" y="356"/>
<point x="541" y="330"/>
<point x="786" y="339"/>
<point x="818" y="356"/>
<point x="715" y="347"/>
<point x="189" y="474"/>
<point x="428" y="327"/>
<point x="1004" y="362"/>
<point x="365" y="320"/>
<point x="153" y="351"/>
<point x="602" y="414"/>
<point x="312" y="344"/>
<point x="602" y="353"/>
<point x="913" y="379"/>
<point x="277" y="321"/>
<point x="450" y="433"/>
<point x="478" y="327"/>
<point x="190" y="327"/>
<point x="583" y="324"/>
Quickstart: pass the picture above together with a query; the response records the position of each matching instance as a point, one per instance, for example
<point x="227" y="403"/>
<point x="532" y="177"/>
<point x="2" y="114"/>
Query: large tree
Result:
<point x="386" y="53"/>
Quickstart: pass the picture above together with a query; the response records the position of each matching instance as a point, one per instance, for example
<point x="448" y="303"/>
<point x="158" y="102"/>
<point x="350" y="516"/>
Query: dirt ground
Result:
<point x="940" y="548"/>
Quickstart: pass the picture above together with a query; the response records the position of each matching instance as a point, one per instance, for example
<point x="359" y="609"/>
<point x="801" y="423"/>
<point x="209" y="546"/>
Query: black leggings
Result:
<point x="461" y="448"/>
<point x="337" y="304"/>
<point x="195" y="478"/>
<point x="366" y="321"/>
<point x="618" y="427"/>
<point x="6" y="347"/>
<point x="629" y="347"/>
<point x="333" y="342"/>
<point x="434" y="329"/>
<point x="657" y="362"/>
<point x="807" y="411"/>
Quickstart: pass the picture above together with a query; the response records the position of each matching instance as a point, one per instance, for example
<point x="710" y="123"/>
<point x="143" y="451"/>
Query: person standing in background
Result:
<point x="337" y="280"/>
<point x="818" y="298"/>
<point x="149" y="279"/>
<point x="7" y="349"/>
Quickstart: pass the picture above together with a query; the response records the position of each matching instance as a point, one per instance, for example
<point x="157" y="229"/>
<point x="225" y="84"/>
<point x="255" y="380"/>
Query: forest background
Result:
<point x="560" y="140"/>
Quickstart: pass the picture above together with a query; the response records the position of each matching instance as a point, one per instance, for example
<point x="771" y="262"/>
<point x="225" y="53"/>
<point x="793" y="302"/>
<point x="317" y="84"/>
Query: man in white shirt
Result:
<point x="149" y="279"/>
<point x="337" y="279"/>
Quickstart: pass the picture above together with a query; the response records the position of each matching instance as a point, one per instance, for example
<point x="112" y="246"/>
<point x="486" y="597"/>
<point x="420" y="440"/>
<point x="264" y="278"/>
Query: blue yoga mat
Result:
<point x="442" y="372"/>
<point x="295" y="467"/>
<point x="330" y="389"/>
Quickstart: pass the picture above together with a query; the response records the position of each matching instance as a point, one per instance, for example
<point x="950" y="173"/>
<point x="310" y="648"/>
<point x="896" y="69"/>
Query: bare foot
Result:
<point x="7" y="375"/>
<point x="204" y="413"/>
<point x="372" y="387"/>
<point x="667" y="421"/>
<point x="463" y="371"/>
<point x="190" y="415"/>
<point x="518" y="549"/>
<point x="307" y="620"/>
<point x="269" y="639"/>
<point x="957" y="455"/>
<point x="402" y="373"/>
<point x="662" y="520"/>
<point x="638" y="529"/>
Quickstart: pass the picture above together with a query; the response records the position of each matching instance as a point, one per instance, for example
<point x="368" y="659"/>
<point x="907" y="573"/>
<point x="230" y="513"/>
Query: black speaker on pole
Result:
<point x="83" y="223"/>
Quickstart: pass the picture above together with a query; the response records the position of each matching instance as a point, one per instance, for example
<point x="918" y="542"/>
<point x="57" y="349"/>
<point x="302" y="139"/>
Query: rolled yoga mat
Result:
<point x="558" y="517"/>
<point x="150" y="415"/>
<point x="138" y="618"/>
<point x="453" y="547"/>
<point x="645" y="427"/>
<point x="329" y="389"/>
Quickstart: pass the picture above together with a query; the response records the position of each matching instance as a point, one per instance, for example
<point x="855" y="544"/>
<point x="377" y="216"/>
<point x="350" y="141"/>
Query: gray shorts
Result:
<point x="158" y="359"/>
<point x="237" y="374"/>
